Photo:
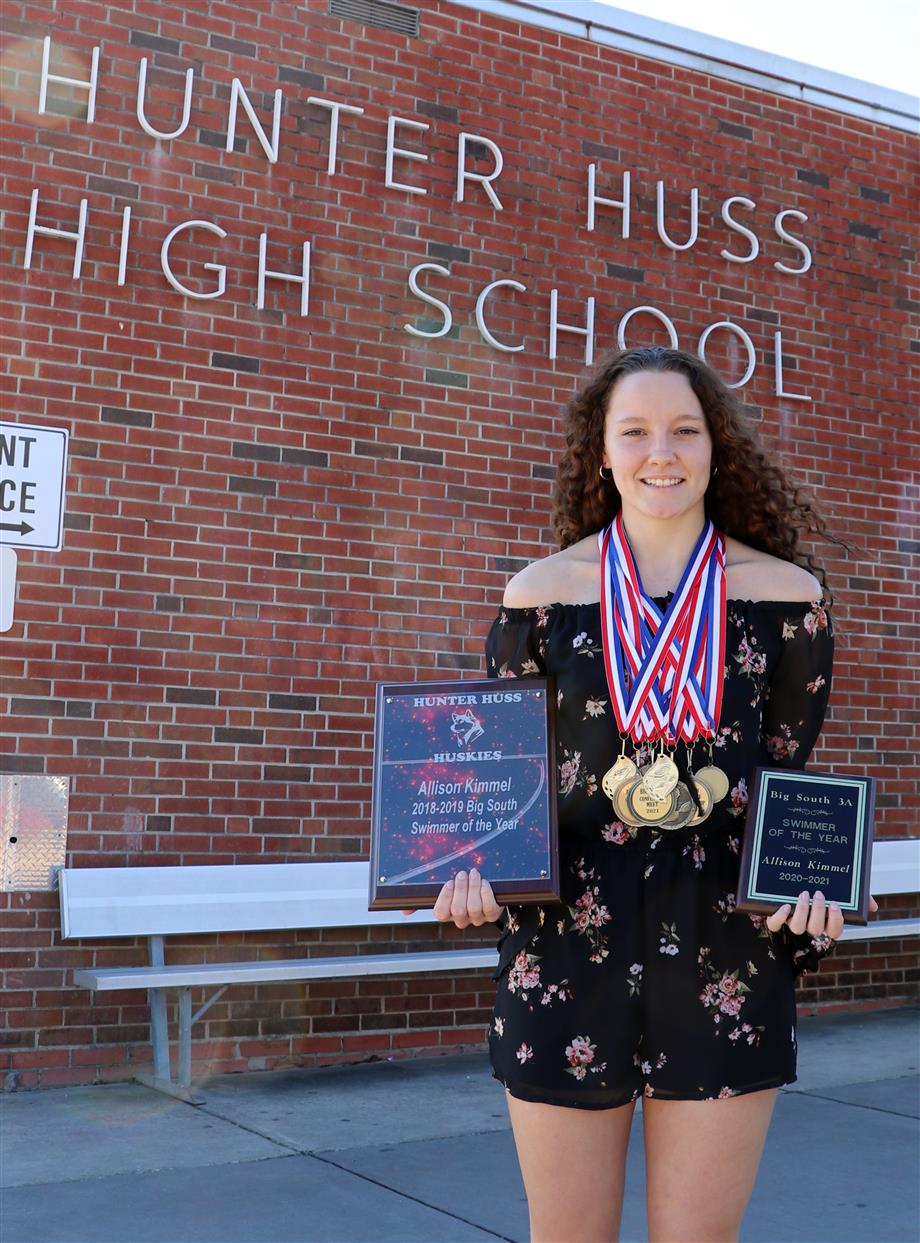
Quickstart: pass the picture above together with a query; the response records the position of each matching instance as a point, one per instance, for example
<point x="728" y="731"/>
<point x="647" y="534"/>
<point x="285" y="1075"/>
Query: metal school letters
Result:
<point x="607" y="197"/>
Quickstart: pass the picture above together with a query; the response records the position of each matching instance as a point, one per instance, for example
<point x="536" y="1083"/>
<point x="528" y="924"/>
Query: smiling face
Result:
<point x="657" y="444"/>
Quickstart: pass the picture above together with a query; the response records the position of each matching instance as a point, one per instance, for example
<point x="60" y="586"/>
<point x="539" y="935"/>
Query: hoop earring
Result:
<point x="714" y="473"/>
<point x="606" y="478"/>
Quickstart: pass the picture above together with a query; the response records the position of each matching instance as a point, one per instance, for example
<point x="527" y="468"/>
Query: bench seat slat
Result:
<point x="885" y="928"/>
<point x="273" y="970"/>
<point x="217" y="973"/>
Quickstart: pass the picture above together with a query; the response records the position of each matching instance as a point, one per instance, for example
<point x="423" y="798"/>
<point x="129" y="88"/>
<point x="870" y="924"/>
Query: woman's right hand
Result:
<point x="466" y="900"/>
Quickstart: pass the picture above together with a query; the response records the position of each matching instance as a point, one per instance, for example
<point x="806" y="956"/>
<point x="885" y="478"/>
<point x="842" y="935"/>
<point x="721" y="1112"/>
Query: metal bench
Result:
<point x="156" y="902"/>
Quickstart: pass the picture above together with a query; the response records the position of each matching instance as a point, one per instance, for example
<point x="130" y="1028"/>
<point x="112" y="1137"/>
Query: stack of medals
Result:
<point x="664" y="672"/>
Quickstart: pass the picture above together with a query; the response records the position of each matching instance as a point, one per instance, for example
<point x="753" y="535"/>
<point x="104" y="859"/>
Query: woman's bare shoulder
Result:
<point x="560" y="578"/>
<point x="756" y="575"/>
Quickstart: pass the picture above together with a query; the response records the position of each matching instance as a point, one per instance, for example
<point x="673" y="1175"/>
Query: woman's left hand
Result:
<point x="821" y="919"/>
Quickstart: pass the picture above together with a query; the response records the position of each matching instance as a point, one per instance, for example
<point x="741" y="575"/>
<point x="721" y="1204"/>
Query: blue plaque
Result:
<point x="807" y="830"/>
<point x="464" y="776"/>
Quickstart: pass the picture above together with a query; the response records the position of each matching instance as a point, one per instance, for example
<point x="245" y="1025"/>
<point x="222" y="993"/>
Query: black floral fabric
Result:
<point x="643" y="978"/>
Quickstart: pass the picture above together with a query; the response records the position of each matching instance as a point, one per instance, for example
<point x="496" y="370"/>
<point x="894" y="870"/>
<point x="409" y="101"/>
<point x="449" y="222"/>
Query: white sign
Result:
<point x="7" y="588"/>
<point x="33" y="465"/>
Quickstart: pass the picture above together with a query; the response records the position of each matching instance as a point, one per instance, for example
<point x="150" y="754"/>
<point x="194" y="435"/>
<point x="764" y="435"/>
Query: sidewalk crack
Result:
<point x="306" y="1152"/>
<point x="253" y="1130"/>
<point x="492" y="1234"/>
<point x="878" y="1109"/>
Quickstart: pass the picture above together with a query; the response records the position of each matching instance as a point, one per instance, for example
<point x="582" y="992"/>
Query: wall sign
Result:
<point x="33" y="467"/>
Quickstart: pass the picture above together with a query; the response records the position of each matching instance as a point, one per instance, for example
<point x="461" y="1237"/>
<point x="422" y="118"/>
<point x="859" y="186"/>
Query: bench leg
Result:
<point x="159" y="1032"/>
<point x="169" y="1088"/>
<point x="185" y="1037"/>
<point x="161" y="1079"/>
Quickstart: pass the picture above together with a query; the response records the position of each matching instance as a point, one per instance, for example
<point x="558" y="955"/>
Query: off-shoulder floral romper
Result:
<point x="644" y="979"/>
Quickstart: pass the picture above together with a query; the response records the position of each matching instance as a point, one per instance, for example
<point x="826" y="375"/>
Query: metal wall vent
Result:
<point x="380" y="13"/>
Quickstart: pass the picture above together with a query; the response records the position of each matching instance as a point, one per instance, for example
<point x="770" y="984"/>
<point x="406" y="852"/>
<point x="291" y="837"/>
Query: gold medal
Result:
<point x="661" y="777"/>
<point x="650" y="810"/>
<point x="706" y="804"/>
<point x="621" y="806"/>
<point x="715" y="781"/>
<point x="623" y="770"/>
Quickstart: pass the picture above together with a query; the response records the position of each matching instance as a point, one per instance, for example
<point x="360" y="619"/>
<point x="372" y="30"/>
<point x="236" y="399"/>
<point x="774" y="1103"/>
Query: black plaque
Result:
<point x="807" y="830"/>
<point x="464" y="776"/>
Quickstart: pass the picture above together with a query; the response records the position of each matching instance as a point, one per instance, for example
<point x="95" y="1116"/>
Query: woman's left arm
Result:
<point x="800" y="684"/>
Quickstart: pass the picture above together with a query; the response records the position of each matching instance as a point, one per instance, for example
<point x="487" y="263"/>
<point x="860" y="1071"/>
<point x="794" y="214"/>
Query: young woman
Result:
<point x="644" y="979"/>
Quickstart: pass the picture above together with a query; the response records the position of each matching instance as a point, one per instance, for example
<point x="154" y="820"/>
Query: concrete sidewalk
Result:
<point x="422" y="1152"/>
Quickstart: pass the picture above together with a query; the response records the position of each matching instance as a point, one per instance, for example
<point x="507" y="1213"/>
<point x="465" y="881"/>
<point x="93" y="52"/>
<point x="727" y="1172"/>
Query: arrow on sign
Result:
<point x="22" y="527"/>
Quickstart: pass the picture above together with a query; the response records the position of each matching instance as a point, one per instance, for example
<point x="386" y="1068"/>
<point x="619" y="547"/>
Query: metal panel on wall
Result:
<point x="33" y="842"/>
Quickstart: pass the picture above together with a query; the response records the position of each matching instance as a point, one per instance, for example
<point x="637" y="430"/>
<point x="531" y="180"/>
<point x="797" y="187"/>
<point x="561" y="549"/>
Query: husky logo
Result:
<point x="465" y="727"/>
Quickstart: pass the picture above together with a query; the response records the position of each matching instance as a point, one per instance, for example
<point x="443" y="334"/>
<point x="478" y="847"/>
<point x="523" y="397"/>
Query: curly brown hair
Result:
<point x="750" y="498"/>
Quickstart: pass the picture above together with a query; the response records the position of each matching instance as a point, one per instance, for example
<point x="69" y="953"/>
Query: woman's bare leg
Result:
<point x="701" y="1161"/>
<point x="573" y="1162"/>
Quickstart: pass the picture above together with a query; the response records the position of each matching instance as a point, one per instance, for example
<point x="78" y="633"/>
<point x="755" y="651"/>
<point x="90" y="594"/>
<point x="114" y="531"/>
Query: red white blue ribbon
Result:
<point x="664" y="670"/>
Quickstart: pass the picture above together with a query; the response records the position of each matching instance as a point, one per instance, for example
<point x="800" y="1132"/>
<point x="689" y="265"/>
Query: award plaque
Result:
<point x="807" y="830"/>
<point x="464" y="776"/>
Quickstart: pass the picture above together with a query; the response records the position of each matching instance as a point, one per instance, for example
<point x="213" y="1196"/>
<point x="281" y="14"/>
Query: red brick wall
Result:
<point x="266" y="515"/>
